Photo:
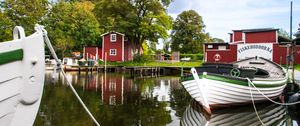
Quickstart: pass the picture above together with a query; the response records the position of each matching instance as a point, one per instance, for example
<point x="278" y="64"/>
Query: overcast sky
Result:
<point x="223" y="16"/>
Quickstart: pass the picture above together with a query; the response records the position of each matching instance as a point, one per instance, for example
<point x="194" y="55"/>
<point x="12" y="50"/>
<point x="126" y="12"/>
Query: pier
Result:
<point x="132" y="70"/>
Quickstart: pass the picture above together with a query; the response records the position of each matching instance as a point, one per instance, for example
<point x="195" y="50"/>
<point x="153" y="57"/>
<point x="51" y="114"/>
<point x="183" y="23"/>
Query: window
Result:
<point x="222" y="48"/>
<point x="112" y="52"/>
<point x="113" y="37"/>
<point x="210" y="46"/>
<point x="112" y="85"/>
<point x="112" y="100"/>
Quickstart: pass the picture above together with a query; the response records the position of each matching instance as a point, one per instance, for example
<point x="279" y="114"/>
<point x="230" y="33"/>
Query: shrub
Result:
<point x="192" y="56"/>
<point x="142" y="58"/>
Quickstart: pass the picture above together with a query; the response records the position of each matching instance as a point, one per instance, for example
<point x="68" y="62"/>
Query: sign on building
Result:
<point x="258" y="49"/>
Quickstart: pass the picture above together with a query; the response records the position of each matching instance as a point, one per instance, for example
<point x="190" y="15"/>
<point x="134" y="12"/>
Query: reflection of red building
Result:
<point x="245" y="43"/>
<point x="114" y="89"/>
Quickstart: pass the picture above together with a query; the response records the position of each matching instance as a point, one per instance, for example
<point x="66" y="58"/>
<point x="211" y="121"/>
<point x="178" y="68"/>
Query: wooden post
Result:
<point x="105" y="60"/>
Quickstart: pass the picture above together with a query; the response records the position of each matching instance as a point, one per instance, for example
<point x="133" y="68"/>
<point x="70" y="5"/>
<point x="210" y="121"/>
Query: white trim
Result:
<point x="110" y="50"/>
<point x="83" y="52"/>
<point x="97" y="53"/>
<point x="122" y="48"/>
<point x="112" y="32"/>
<point x="244" y="37"/>
<point x="276" y="36"/>
<point x="111" y="37"/>
<point x="233" y="37"/>
<point x="214" y="50"/>
<point x="221" y="47"/>
<point x="210" y="46"/>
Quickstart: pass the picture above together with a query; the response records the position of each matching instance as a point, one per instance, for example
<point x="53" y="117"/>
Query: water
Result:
<point x="120" y="100"/>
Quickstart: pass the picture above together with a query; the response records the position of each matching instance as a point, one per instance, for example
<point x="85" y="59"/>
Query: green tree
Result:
<point x="6" y="28"/>
<point x="217" y="40"/>
<point x="72" y="25"/>
<point x="166" y="46"/>
<point x="140" y="20"/>
<point x="25" y="13"/>
<point x="283" y="33"/>
<point x="188" y="33"/>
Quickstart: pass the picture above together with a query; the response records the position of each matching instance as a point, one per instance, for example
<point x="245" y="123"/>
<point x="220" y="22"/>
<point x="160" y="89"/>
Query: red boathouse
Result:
<point x="263" y="42"/>
<point x="115" y="46"/>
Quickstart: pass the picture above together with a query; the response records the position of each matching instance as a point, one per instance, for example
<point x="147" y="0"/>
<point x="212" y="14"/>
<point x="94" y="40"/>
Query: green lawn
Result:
<point x="162" y="64"/>
<point x="297" y="66"/>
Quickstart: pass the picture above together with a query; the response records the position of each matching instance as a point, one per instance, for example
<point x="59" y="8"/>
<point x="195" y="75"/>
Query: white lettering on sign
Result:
<point x="258" y="49"/>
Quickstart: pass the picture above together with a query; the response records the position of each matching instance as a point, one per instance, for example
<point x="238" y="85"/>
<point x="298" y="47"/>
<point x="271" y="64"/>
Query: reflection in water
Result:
<point x="114" y="99"/>
<point x="270" y="114"/>
<point x="118" y="100"/>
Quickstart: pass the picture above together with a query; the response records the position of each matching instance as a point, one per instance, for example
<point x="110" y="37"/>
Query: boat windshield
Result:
<point x="261" y="73"/>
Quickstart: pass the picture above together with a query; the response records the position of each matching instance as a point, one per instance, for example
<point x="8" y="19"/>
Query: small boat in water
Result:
<point x="22" y="71"/>
<point x="269" y="114"/>
<point x="222" y="85"/>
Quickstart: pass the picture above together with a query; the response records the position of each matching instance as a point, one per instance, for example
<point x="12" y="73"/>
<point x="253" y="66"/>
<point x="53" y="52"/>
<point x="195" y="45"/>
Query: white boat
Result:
<point x="50" y="64"/>
<point x="70" y="64"/>
<point x="22" y="71"/>
<point x="223" y="85"/>
<point x="269" y="114"/>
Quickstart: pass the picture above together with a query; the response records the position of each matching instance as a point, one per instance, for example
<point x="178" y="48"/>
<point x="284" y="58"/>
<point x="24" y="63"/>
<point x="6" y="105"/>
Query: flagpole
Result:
<point x="291" y="20"/>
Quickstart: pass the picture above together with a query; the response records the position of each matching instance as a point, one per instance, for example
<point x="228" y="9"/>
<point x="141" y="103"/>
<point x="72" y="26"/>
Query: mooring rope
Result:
<point x="47" y="41"/>
<point x="254" y="107"/>
<point x="250" y="82"/>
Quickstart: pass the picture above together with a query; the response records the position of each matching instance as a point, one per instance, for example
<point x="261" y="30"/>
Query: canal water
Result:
<point x="117" y="99"/>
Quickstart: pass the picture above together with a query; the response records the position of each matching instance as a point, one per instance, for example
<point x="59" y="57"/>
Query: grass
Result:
<point x="297" y="66"/>
<point x="153" y="63"/>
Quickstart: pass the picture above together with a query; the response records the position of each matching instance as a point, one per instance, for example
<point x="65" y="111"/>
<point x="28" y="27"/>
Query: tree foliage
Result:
<point x="24" y="13"/>
<point x="71" y="25"/>
<point x="6" y="26"/>
<point x="140" y="20"/>
<point x="188" y="33"/>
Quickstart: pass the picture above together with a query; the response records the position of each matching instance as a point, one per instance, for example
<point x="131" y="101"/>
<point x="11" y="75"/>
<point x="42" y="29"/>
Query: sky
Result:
<point x="223" y="16"/>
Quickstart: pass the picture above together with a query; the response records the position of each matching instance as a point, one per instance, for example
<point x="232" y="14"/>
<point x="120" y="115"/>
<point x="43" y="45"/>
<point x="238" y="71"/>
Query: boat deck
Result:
<point x="275" y="71"/>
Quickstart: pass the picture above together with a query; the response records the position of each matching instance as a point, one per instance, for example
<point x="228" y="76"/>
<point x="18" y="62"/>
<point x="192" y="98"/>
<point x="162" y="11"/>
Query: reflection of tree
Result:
<point x="179" y="100"/>
<point x="60" y="107"/>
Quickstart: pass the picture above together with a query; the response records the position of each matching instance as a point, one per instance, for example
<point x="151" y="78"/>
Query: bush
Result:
<point x="142" y="58"/>
<point x="192" y="56"/>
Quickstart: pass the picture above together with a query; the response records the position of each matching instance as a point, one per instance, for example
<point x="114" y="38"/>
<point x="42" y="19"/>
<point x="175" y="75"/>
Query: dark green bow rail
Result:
<point x="11" y="56"/>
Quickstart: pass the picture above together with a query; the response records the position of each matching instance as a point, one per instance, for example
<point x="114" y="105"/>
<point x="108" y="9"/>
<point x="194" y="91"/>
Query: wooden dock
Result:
<point x="134" y="70"/>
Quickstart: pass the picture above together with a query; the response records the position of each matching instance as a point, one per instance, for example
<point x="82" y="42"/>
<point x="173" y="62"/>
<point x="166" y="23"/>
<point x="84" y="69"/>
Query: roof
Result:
<point x="257" y="30"/>
<point x="112" y="32"/>
<point x="216" y="43"/>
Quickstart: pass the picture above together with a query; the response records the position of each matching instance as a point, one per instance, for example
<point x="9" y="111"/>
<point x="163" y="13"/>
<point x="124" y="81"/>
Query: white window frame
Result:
<point x="111" y="37"/>
<point x="111" y="54"/>
<point x="112" y="100"/>
<point x="222" y="47"/>
<point x="112" y="85"/>
<point x="210" y="46"/>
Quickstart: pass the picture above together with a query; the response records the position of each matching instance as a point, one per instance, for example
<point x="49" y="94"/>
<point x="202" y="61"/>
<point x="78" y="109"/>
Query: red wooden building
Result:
<point x="245" y="43"/>
<point x="115" y="46"/>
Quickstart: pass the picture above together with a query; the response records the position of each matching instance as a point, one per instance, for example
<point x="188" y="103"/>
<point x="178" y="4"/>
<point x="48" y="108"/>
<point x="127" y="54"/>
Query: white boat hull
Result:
<point x="22" y="78"/>
<point x="215" y="93"/>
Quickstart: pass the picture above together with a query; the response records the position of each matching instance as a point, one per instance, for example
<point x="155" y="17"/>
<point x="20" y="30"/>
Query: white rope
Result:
<point x="254" y="107"/>
<point x="47" y="41"/>
<point x="249" y="82"/>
